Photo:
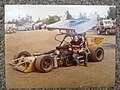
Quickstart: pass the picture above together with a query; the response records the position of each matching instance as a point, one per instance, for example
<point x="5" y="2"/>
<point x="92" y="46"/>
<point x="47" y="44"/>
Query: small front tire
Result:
<point x="23" y="53"/>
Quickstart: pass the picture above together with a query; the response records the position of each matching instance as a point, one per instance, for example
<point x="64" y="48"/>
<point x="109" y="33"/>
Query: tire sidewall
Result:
<point x="39" y="64"/>
<point x="98" y="59"/>
<point x="26" y="53"/>
<point x="93" y="54"/>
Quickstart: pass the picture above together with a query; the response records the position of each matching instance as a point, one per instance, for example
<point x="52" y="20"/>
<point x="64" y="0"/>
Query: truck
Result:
<point x="106" y="27"/>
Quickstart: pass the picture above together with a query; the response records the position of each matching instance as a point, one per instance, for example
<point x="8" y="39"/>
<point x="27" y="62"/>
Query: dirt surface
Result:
<point x="98" y="74"/>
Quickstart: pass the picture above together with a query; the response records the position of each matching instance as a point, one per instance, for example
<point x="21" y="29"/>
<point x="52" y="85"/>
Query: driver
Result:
<point x="78" y="49"/>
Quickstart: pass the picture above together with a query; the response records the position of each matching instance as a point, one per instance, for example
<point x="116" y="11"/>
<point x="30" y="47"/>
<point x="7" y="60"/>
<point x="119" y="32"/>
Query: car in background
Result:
<point x="106" y="26"/>
<point x="10" y="28"/>
<point x="37" y="25"/>
<point x="21" y="27"/>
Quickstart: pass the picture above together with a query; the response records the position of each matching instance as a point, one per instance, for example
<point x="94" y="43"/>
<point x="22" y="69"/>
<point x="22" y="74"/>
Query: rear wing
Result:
<point x="79" y="26"/>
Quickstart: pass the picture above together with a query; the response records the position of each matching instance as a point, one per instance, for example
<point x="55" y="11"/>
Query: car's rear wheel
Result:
<point x="44" y="64"/>
<point x="96" y="54"/>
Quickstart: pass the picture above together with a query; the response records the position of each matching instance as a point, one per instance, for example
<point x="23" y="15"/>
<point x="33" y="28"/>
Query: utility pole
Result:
<point x="19" y="12"/>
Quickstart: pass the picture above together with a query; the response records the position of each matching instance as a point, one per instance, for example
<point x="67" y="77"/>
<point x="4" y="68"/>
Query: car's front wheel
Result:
<point x="98" y="32"/>
<point x="44" y="64"/>
<point x="107" y="32"/>
<point x="24" y="65"/>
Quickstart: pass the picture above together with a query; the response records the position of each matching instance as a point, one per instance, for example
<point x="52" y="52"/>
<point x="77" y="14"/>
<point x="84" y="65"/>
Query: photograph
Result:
<point x="60" y="46"/>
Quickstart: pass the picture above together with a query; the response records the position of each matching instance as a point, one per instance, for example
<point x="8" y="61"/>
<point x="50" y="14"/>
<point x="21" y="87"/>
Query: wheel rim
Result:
<point x="22" y="55"/>
<point x="106" y="32"/>
<point x="47" y="64"/>
<point x="68" y="62"/>
<point x="23" y="66"/>
<point x="98" y="31"/>
<point x="100" y="54"/>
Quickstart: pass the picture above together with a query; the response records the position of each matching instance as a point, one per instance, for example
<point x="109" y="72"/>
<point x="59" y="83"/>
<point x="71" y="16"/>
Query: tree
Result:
<point x="51" y="19"/>
<point x="38" y="20"/>
<point x="13" y="21"/>
<point x="29" y="18"/>
<point x="112" y="12"/>
<point x="69" y="16"/>
<point x="9" y="22"/>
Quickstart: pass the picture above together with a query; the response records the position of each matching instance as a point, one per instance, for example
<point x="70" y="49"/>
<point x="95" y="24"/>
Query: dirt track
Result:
<point x="98" y="74"/>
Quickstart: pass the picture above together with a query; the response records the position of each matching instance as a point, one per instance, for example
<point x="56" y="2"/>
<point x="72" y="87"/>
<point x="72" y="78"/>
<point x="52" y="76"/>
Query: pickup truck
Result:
<point x="105" y="26"/>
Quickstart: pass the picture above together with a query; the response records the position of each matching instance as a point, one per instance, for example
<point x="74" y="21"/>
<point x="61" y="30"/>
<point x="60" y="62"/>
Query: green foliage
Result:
<point x="27" y="19"/>
<point x="51" y="19"/>
<point x="38" y="20"/>
<point x="112" y="13"/>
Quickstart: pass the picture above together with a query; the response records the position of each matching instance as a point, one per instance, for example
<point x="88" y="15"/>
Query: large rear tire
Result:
<point x="96" y="54"/>
<point x="44" y="64"/>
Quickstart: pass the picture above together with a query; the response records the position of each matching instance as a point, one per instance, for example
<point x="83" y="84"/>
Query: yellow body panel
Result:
<point x="31" y="67"/>
<point x="94" y="41"/>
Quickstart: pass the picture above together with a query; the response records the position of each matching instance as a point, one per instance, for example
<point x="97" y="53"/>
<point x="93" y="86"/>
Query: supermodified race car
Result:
<point x="60" y="56"/>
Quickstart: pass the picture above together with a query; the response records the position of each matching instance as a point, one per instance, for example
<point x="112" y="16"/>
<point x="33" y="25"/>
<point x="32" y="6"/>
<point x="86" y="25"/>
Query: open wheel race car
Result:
<point x="60" y="56"/>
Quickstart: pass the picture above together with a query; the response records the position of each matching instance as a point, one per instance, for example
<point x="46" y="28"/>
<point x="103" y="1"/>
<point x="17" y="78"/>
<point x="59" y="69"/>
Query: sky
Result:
<point x="42" y="11"/>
